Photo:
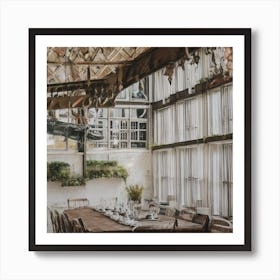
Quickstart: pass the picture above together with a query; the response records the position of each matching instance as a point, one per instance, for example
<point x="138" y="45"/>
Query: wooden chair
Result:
<point x="53" y="221"/>
<point x="77" y="202"/>
<point x="170" y="211"/>
<point x="68" y="224"/>
<point x="203" y="220"/>
<point x="219" y="224"/>
<point x="76" y="225"/>
<point x="186" y="214"/>
<point x="83" y="228"/>
<point x="57" y="221"/>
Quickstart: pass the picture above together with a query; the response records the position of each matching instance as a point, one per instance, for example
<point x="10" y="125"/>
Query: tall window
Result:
<point x="189" y="119"/>
<point x="164" y="171"/>
<point x="220" y="178"/>
<point x="190" y="174"/>
<point x="161" y="86"/>
<point x="219" y="103"/>
<point x="123" y="126"/>
<point x="164" y="126"/>
<point x="137" y="92"/>
<point x="57" y="131"/>
<point x="98" y="120"/>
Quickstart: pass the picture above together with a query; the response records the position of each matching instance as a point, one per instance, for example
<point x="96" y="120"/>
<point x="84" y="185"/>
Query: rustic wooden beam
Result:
<point x="144" y="65"/>
<point x="184" y="94"/>
<point x="193" y="142"/>
<point x="127" y="62"/>
<point x="54" y="103"/>
<point x="72" y="86"/>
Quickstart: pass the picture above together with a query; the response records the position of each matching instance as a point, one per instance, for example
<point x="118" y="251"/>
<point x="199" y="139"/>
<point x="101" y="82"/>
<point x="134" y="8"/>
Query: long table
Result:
<point x="97" y="222"/>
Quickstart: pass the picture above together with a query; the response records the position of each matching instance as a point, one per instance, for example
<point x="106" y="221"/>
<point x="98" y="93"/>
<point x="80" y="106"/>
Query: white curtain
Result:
<point x="190" y="172"/>
<point x="193" y="118"/>
<point x="164" y="174"/>
<point x="185" y="78"/>
<point x="207" y="65"/>
<point x="162" y="88"/>
<point x="227" y="180"/>
<point x="181" y="121"/>
<point x="220" y="178"/>
<point x="214" y="103"/>
<point x="193" y="75"/>
<point x="189" y="119"/>
<point x="227" y="109"/>
<point x="165" y="126"/>
<point x="199" y="175"/>
<point x="219" y="103"/>
<point x="179" y="81"/>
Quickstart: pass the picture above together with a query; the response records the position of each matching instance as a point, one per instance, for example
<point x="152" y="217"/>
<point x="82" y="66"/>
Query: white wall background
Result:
<point x="17" y="262"/>
<point x="136" y="162"/>
<point x="75" y="160"/>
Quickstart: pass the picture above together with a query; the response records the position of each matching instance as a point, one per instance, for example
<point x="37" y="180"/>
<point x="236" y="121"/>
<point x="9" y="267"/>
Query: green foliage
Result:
<point x="58" y="171"/>
<point x="101" y="163"/>
<point x="105" y="169"/>
<point x="79" y="181"/>
<point x="135" y="192"/>
<point x="203" y="80"/>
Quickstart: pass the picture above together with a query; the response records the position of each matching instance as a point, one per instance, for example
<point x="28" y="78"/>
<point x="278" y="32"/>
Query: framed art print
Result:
<point x="140" y="139"/>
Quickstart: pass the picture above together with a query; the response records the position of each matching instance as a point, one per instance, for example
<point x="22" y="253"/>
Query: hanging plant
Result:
<point x="58" y="171"/>
<point x="79" y="181"/>
<point x="105" y="169"/>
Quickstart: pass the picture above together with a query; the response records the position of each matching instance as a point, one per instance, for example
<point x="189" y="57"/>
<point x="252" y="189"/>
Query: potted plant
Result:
<point x="135" y="192"/>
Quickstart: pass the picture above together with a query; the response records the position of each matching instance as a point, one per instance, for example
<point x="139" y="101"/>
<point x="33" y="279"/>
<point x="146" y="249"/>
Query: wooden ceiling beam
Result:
<point x="108" y="88"/>
<point x="92" y="63"/>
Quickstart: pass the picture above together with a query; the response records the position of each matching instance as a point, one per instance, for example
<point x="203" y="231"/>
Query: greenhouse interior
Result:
<point x="139" y="139"/>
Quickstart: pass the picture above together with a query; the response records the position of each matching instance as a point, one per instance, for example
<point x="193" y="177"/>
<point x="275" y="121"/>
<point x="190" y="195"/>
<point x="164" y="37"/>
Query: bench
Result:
<point x="77" y="202"/>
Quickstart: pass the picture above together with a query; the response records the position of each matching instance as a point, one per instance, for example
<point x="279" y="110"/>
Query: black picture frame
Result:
<point x="34" y="32"/>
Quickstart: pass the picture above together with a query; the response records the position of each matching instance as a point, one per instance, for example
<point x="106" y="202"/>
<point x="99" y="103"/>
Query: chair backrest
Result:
<point x="219" y="224"/>
<point x="187" y="213"/>
<point x="170" y="211"/>
<point x="82" y="225"/>
<point x="57" y="221"/>
<point x="77" y="202"/>
<point x="69" y="226"/>
<point x="186" y="216"/>
<point x="203" y="220"/>
<point x="63" y="223"/>
<point x="76" y="225"/>
<point x="53" y="221"/>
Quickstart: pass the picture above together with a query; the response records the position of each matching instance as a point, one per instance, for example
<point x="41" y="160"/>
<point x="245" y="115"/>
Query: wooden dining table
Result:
<point x="95" y="221"/>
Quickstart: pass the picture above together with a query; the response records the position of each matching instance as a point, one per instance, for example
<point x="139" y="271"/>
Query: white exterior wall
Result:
<point x="94" y="191"/>
<point x="75" y="160"/>
<point x="137" y="163"/>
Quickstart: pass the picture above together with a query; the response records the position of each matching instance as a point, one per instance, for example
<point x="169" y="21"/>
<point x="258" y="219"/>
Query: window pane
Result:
<point x="123" y="145"/>
<point x="123" y="135"/>
<point x="140" y="113"/>
<point x="123" y="124"/>
<point x="134" y="125"/>
<point x="138" y="144"/>
<point x="142" y="125"/>
<point x="142" y="135"/>
<point x="134" y="135"/>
